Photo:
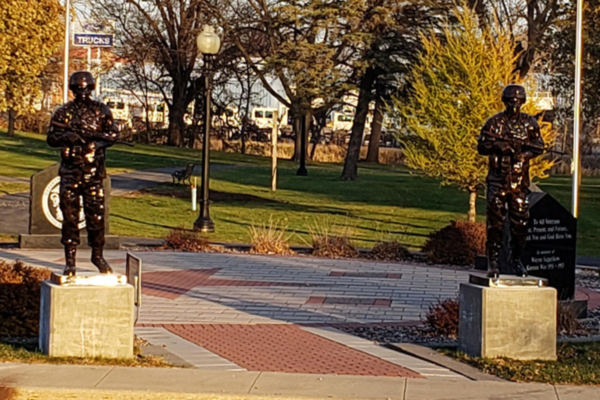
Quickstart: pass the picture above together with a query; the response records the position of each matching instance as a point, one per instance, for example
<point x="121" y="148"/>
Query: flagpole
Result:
<point x="66" y="57"/>
<point x="577" y="110"/>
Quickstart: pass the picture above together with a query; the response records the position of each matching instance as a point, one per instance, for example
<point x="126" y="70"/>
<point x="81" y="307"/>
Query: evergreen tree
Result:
<point x="456" y="87"/>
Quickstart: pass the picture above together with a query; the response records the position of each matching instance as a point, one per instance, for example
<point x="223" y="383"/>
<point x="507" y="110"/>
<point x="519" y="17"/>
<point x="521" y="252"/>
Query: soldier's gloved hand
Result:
<point x="525" y="156"/>
<point x="73" y="138"/>
<point x="503" y="147"/>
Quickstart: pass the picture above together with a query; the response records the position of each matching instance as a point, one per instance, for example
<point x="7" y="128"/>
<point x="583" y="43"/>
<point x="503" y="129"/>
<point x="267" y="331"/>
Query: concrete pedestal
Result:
<point x="516" y="321"/>
<point x="86" y="321"/>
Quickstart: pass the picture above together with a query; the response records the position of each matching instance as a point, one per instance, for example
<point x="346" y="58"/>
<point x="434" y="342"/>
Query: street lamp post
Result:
<point x="209" y="44"/>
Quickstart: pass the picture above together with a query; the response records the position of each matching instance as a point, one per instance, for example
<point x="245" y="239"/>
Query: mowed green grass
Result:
<point x="577" y="364"/>
<point x="28" y="153"/>
<point x="384" y="203"/>
<point x="10" y="187"/>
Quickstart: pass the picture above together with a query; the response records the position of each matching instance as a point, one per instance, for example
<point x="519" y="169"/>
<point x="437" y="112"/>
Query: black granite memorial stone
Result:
<point x="550" y="250"/>
<point x="45" y="217"/>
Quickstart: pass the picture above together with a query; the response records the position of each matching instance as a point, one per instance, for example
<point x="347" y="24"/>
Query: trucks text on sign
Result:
<point x="93" y="39"/>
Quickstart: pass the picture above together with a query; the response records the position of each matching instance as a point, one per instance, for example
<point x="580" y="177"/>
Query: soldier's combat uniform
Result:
<point x="83" y="129"/>
<point x="510" y="139"/>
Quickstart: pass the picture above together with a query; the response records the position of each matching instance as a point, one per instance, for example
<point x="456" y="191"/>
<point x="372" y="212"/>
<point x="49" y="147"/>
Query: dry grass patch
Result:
<point x="187" y="240"/>
<point x="332" y="240"/>
<point x="270" y="238"/>
<point x="390" y="251"/>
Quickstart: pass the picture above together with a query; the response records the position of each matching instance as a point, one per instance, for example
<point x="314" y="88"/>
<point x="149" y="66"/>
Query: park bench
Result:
<point x="183" y="175"/>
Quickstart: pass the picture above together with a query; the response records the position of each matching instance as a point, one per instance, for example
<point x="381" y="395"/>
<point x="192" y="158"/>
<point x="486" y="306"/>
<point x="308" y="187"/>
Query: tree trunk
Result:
<point x="11" y="122"/>
<point x="176" y="121"/>
<point x="148" y="135"/>
<point x="297" y="135"/>
<point x="318" y="126"/>
<point x="472" y="214"/>
<point x="307" y="127"/>
<point x="350" y="171"/>
<point x="245" y="129"/>
<point x="373" y="153"/>
<point x="175" y="130"/>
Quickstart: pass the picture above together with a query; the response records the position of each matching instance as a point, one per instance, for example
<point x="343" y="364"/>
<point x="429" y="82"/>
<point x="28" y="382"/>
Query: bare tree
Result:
<point x="297" y="42"/>
<point x="169" y="28"/>
<point x="391" y="32"/>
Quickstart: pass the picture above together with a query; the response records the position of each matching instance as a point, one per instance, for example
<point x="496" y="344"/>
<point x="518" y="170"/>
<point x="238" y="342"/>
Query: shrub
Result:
<point x="442" y="318"/>
<point x="390" y="251"/>
<point x="456" y="244"/>
<point x="20" y="287"/>
<point x="270" y="239"/>
<point x="187" y="240"/>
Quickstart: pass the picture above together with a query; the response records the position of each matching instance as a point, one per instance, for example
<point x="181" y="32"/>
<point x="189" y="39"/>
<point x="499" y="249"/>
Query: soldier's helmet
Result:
<point x="512" y="92"/>
<point x="82" y="82"/>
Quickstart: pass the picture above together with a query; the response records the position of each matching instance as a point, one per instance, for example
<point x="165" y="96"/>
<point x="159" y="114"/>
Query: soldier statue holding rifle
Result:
<point x="83" y="129"/>
<point x="510" y="139"/>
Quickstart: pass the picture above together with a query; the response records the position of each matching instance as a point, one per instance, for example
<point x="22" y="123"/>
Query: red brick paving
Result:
<point x="285" y="348"/>
<point x="592" y="296"/>
<point x="362" y="301"/>
<point x="172" y="284"/>
<point x="382" y="275"/>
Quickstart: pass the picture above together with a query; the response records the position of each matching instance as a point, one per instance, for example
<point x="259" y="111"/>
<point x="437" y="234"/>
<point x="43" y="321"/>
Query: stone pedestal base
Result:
<point x="516" y="321"/>
<point x="86" y="321"/>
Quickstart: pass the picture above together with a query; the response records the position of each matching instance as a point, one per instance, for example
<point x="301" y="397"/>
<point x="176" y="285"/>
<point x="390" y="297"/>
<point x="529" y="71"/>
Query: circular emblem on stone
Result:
<point x="51" y="205"/>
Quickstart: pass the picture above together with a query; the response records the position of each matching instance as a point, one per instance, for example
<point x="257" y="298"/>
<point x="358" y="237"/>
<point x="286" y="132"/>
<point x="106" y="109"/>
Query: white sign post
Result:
<point x="274" y="134"/>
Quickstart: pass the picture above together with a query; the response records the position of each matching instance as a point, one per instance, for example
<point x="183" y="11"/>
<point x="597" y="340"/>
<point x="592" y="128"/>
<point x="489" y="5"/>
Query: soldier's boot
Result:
<point x="99" y="261"/>
<point x="517" y="265"/>
<point x="492" y="257"/>
<point x="519" y="269"/>
<point x="70" y="263"/>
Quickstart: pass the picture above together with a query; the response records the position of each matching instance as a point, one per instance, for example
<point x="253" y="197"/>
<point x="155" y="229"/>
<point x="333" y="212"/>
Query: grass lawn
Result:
<point x="26" y="351"/>
<point x="10" y="187"/>
<point x="385" y="202"/>
<point x="577" y="364"/>
<point x="28" y="153"/>
<point x="382" y="204"/>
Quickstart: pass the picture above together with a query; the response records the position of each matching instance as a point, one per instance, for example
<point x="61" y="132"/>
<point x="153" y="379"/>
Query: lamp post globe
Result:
<point x="209" y="44"/>
<point x="208" y="41"/>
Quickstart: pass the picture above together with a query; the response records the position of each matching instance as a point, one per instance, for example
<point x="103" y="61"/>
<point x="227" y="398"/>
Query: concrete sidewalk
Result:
<point x="148" y="383"/>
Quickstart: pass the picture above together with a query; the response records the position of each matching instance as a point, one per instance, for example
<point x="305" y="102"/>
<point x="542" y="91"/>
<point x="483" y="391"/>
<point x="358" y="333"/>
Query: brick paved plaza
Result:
<point x="240" y="288"/>
<point x="265" y="313"/>
<point x="240" y="312"/>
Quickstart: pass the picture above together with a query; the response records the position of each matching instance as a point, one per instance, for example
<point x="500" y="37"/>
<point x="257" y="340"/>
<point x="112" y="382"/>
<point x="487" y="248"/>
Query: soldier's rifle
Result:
<point x="91" y="133"/>
<point x="516" y="145"/>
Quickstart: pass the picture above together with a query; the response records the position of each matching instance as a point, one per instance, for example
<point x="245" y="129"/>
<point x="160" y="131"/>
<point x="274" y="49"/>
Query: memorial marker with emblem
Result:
<point x="45" y="217"/>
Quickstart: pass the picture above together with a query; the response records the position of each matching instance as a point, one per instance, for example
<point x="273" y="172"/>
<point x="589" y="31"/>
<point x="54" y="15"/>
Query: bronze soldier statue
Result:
<point x="83" y="129"/>
<point x="510" y="139"/>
